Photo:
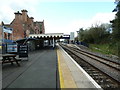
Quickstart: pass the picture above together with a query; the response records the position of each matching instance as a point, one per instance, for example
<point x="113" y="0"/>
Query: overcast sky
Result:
<point x="61" y="16"/>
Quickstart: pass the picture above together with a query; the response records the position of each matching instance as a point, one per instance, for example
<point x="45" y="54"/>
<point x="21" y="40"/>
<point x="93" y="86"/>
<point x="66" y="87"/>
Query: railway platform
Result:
<point x="71" y="74"/>
<point x="47" y="68"/>
<point x="37" y="72"/>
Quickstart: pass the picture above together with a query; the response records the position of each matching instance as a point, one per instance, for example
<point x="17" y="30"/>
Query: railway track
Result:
<point x="105" y="72"/>
<point x="113" y="64"/>
<point x="99" y="56"/>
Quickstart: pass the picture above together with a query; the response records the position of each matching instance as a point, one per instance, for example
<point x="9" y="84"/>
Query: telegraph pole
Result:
<point x="2" y="35"/>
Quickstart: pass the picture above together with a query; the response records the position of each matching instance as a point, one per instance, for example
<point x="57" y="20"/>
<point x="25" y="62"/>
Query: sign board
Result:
<point x="23" y="51"/>
<point x="7" y="29"/>
<point x="72" y="36"/>
<point x="12" y="48"/>
<point x="66" y="36"/>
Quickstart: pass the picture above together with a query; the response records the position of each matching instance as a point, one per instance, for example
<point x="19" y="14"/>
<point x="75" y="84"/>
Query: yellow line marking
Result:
<point x="60" y="72"/>
<point x="66" y="78"/>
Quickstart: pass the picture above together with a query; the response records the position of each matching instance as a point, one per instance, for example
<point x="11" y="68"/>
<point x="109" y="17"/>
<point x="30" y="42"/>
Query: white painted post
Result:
<point x="53" y="42"/>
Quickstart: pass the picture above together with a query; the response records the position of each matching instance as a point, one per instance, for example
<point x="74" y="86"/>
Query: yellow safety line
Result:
<point x="60" y="72"/>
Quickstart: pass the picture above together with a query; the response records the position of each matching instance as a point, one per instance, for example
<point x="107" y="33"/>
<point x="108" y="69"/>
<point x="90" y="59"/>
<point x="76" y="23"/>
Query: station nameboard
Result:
<point x="66" y="36"/>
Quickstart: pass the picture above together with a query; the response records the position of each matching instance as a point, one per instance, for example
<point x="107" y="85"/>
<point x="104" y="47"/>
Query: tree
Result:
<point x="80" y="34"/>
<point x="95" y="34"/>
<point x="116" y="27"/>
<point x="116" y="23"/>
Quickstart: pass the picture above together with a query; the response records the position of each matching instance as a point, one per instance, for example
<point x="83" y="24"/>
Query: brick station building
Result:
<point x="23" y="25"/>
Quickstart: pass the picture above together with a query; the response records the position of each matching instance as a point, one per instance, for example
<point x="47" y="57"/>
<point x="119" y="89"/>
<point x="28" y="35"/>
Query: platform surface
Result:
<point x="38" y="72"/>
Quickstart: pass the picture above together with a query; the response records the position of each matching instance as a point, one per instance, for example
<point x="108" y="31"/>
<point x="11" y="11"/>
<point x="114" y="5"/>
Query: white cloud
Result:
<point x="77" y="0"/>
<point x="97" y="19"/>
<point x="8" y="7"/>
<point x="6" y="14"/>
<point x="103" y="17"/>
<point x="74" y="26"/>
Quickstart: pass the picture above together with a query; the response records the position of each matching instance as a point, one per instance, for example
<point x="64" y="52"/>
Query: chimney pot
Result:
<point x="24" y="10"/>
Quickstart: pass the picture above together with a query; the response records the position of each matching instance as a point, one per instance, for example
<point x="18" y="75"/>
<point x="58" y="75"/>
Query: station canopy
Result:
<point x="50" y="36"/>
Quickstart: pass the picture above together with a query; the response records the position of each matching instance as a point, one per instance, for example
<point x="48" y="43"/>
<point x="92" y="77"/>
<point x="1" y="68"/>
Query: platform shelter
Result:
<point x="49" y="39"/>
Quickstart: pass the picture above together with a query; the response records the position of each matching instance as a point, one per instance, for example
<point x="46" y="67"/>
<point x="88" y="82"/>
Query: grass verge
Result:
<point x="104" y="49"/>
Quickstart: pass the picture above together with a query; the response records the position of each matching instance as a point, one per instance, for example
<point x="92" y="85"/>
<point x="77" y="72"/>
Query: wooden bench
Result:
<point x="10" y="58"/>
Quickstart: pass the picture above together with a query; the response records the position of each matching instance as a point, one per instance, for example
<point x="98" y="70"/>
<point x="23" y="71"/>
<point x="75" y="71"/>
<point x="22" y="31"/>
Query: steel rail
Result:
<point x="114" y="61"/>
<point x="100" y="59"/>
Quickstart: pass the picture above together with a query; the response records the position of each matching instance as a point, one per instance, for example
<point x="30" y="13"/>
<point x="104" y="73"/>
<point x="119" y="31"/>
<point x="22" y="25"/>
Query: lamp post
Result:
<point x="77" y="37"/>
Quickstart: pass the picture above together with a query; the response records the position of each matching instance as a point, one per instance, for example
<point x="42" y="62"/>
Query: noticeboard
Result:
<point x="23" y="51"/>
<point x="12" y="48"/>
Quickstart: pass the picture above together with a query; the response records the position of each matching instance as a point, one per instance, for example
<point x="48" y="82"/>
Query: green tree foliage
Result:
<point x="81" y="34"/>
<point x="116" y="28"/>
<point x="95" y="34"/>
<point x="100" y="34"/>
<point x="116" y="23"/>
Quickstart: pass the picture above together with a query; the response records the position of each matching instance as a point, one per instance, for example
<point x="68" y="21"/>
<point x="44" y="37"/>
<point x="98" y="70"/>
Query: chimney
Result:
<point x="43" y="27"/>
<point x="24" y="15"/>
<point x="31" y="19"/>
<point x="18" y="15"/>
<point x="32" y="22"/>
